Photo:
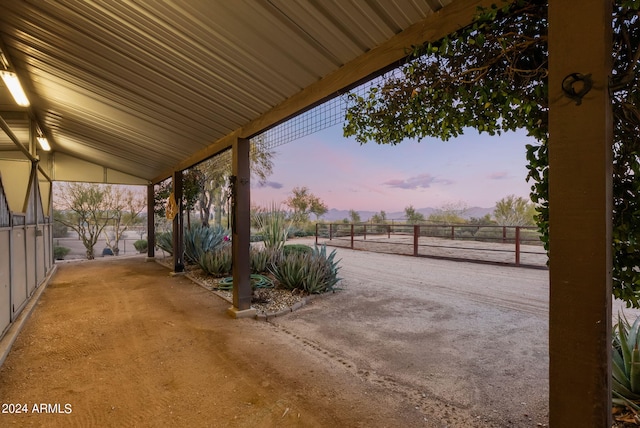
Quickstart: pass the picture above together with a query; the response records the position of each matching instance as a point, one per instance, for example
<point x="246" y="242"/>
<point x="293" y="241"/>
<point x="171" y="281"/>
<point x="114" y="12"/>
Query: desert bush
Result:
<point x="200" y="239"/>
<point x="59" y="253"/>
<point x="296" y="248"/>
<point x="141" y="245"/>
<point x="216" y="262"/>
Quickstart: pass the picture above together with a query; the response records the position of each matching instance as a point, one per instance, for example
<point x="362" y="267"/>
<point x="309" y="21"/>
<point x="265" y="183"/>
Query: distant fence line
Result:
<point x="518" y="245"/>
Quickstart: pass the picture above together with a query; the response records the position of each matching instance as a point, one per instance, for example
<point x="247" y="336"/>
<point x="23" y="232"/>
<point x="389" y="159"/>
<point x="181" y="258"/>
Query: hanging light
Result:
<point x="44" y="143"/>
<point x="13" y="84"/>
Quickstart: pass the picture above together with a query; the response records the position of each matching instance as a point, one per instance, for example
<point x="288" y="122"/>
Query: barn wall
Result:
<point x="26" y="241"/>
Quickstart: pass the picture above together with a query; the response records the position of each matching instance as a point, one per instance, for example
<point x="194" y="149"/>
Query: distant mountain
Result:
<point x="338" y="215"/>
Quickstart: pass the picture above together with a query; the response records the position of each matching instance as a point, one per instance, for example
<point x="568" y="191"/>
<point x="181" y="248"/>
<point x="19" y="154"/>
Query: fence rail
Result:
<point x="517" y="245"/>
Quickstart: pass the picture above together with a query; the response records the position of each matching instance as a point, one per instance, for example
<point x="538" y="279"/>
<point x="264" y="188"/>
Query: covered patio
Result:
<point x="135" y="93"/>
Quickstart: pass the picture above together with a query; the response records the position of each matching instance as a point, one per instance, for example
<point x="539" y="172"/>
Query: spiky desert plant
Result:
<point x="262" y="258"/>
<point x="201" y="239"/>
<point x="273" y="226"/>
<point x="312" y="272"/>
<point x="216" y="262"/>
<point x="164" y="241"/>
<point x="332" y="266"/>
<point x="626" y="363"/>
<point x="291" y="271"/>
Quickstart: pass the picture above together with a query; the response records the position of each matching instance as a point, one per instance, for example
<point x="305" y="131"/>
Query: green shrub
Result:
<point x="216" y="262"/>
<point x="141" y="245"/>
<point x="59" y="253"/>
<point x="296" y="248"/>
<point x="200" y="239"/>
<point x="164" y="241"/>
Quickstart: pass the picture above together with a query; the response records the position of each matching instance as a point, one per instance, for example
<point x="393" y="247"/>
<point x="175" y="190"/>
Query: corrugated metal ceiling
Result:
<point x="139" y="86"/>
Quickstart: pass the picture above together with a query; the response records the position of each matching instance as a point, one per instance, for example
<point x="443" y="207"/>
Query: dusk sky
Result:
<point x="477" y="170"/>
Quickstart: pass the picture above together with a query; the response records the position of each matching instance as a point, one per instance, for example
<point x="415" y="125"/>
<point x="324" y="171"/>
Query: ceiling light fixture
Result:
<point x="44" y="143"/>
<point x="12" y="82"/>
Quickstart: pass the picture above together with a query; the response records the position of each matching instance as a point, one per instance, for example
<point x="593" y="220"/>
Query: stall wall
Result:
<point x="26" y="243"/>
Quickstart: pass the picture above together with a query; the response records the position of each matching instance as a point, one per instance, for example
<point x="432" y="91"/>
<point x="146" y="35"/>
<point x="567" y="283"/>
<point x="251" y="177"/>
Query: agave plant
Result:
<point x="202" y="239"/>
<point x="164" y="241"/>
<point x="626" y="363"/>
<point x="262" y="258"/>
<point x="216" y="262"/>
<point x="313" y="272"/>
<point x="329" y="266"/>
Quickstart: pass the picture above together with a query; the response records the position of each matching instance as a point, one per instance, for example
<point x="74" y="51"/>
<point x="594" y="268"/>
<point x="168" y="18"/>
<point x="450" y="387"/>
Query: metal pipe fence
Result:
<point x="516" y="245"/>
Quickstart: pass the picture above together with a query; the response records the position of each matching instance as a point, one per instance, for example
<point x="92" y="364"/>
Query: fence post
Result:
<point x="453" y="233"/>
<point x="388" y="231"/>
<point x="330" y="231"/>
<point x="416" y="233"/>
<point x="316" y="233"/>
<point x="365" y="231"/>
<point x="504" y="234"/>
<point x="352" y="236"/>
<point x="517" y="245"/>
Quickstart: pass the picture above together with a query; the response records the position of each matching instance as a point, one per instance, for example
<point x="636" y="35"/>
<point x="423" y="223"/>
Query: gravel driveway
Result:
<point x="460" y="340"/>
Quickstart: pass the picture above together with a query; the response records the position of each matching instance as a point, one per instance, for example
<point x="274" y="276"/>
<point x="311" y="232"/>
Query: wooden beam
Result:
<point x="151" y="226"/>
<point x="450" y="18"/>
<point x="241" y="229"/>
<point x="580" y="203"/>
<point x="178" y="226"/>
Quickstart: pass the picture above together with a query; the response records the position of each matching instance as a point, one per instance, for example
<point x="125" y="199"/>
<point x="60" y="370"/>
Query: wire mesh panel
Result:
<point x="325" y="115"/>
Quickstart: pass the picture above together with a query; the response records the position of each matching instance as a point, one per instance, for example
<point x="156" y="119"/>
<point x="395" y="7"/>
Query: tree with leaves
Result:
<point x="450" y="213"/>
<point x="515" y="210"/>
<point x="492" y="76"/>
<point x="126" y="207"/>
<point x="379" y="218"/>
<point x="412" y="216"/>
<point x="354" y="216"/>
<point x="85" y="208"/>
<point x="302" y="202"/>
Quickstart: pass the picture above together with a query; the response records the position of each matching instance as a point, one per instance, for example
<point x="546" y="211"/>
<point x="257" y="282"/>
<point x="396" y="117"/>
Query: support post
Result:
<point x="580" y="204"/>
<point x="517" y="245"/>
<point x="352" y="232"/>
<point x="316" y="233"/>
<point x="151" y="228"/>
<point x="416" y="234"/>
<point x="241" y="229"/>
<point x="178" y="229"/>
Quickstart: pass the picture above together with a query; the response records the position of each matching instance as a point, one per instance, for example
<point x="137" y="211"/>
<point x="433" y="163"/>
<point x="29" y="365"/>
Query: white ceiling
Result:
<point x="141" y="86"/>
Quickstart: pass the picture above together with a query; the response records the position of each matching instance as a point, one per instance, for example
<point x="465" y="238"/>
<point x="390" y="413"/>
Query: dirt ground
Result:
<point x="408" y="342"/>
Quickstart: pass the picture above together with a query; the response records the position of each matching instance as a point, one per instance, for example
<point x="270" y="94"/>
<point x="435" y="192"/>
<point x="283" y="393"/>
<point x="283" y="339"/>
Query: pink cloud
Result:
<point x="421" y="181"/>
<point x="498" y="175"/>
